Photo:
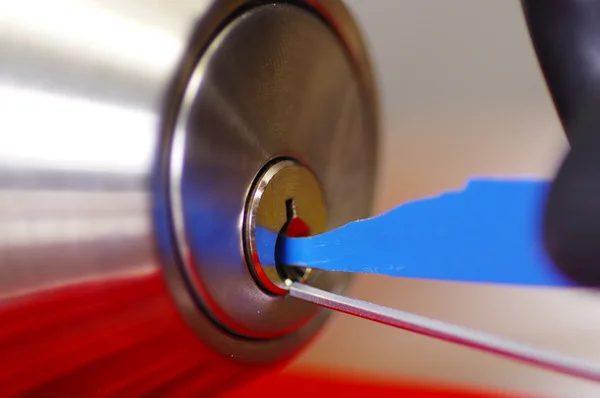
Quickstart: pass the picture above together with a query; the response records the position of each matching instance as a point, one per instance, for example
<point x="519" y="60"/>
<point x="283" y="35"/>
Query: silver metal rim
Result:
<point x="272" y="279"/>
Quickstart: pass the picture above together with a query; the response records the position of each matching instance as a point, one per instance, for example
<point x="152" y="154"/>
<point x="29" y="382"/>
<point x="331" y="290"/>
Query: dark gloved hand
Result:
<point x="566" y="37"/>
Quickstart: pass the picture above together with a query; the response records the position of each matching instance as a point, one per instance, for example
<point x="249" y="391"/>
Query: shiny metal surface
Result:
<point x="286" y="199"/>
<point x="91" y="289"/>
<point x="263" y="91"/>
<point x="448" y="332"/>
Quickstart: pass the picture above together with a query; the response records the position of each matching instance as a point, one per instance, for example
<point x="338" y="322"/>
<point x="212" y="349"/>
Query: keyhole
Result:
<point x="294" y="227"/>
<point x="290" y="209"/>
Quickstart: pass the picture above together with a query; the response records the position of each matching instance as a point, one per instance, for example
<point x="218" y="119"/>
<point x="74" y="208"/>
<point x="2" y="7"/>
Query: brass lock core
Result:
<point x="286" y="199"/>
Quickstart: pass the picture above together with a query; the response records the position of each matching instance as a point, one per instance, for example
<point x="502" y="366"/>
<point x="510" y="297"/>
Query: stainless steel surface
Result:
<point x="447" y="332"/>
<point x="259" y="93"/>
<point x="286" y="199"/>
<point x="90" y="93"/>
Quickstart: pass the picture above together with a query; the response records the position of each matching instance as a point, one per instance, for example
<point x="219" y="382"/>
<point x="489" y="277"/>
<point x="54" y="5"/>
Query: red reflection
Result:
<point x="297" y="228"/>
<point x="121" y="338"/>
<point x="323" y="384"/>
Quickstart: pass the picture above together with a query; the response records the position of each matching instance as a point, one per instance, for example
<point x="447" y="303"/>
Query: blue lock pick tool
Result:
<point x="488" y="232"/>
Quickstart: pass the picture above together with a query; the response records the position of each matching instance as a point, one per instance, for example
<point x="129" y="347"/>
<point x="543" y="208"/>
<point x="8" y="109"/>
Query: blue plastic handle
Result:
<point x="490" y="232"/>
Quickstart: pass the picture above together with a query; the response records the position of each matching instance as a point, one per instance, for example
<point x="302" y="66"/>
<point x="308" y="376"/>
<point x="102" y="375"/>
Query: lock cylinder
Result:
<point x="277" y="126"/>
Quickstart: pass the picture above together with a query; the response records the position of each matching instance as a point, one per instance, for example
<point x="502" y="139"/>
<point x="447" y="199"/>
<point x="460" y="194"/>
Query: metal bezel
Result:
<point x="168" y="220"/>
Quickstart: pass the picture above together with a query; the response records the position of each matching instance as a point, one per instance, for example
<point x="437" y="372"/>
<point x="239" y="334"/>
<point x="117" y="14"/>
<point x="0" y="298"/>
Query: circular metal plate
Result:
<point x="276" y="82"/>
